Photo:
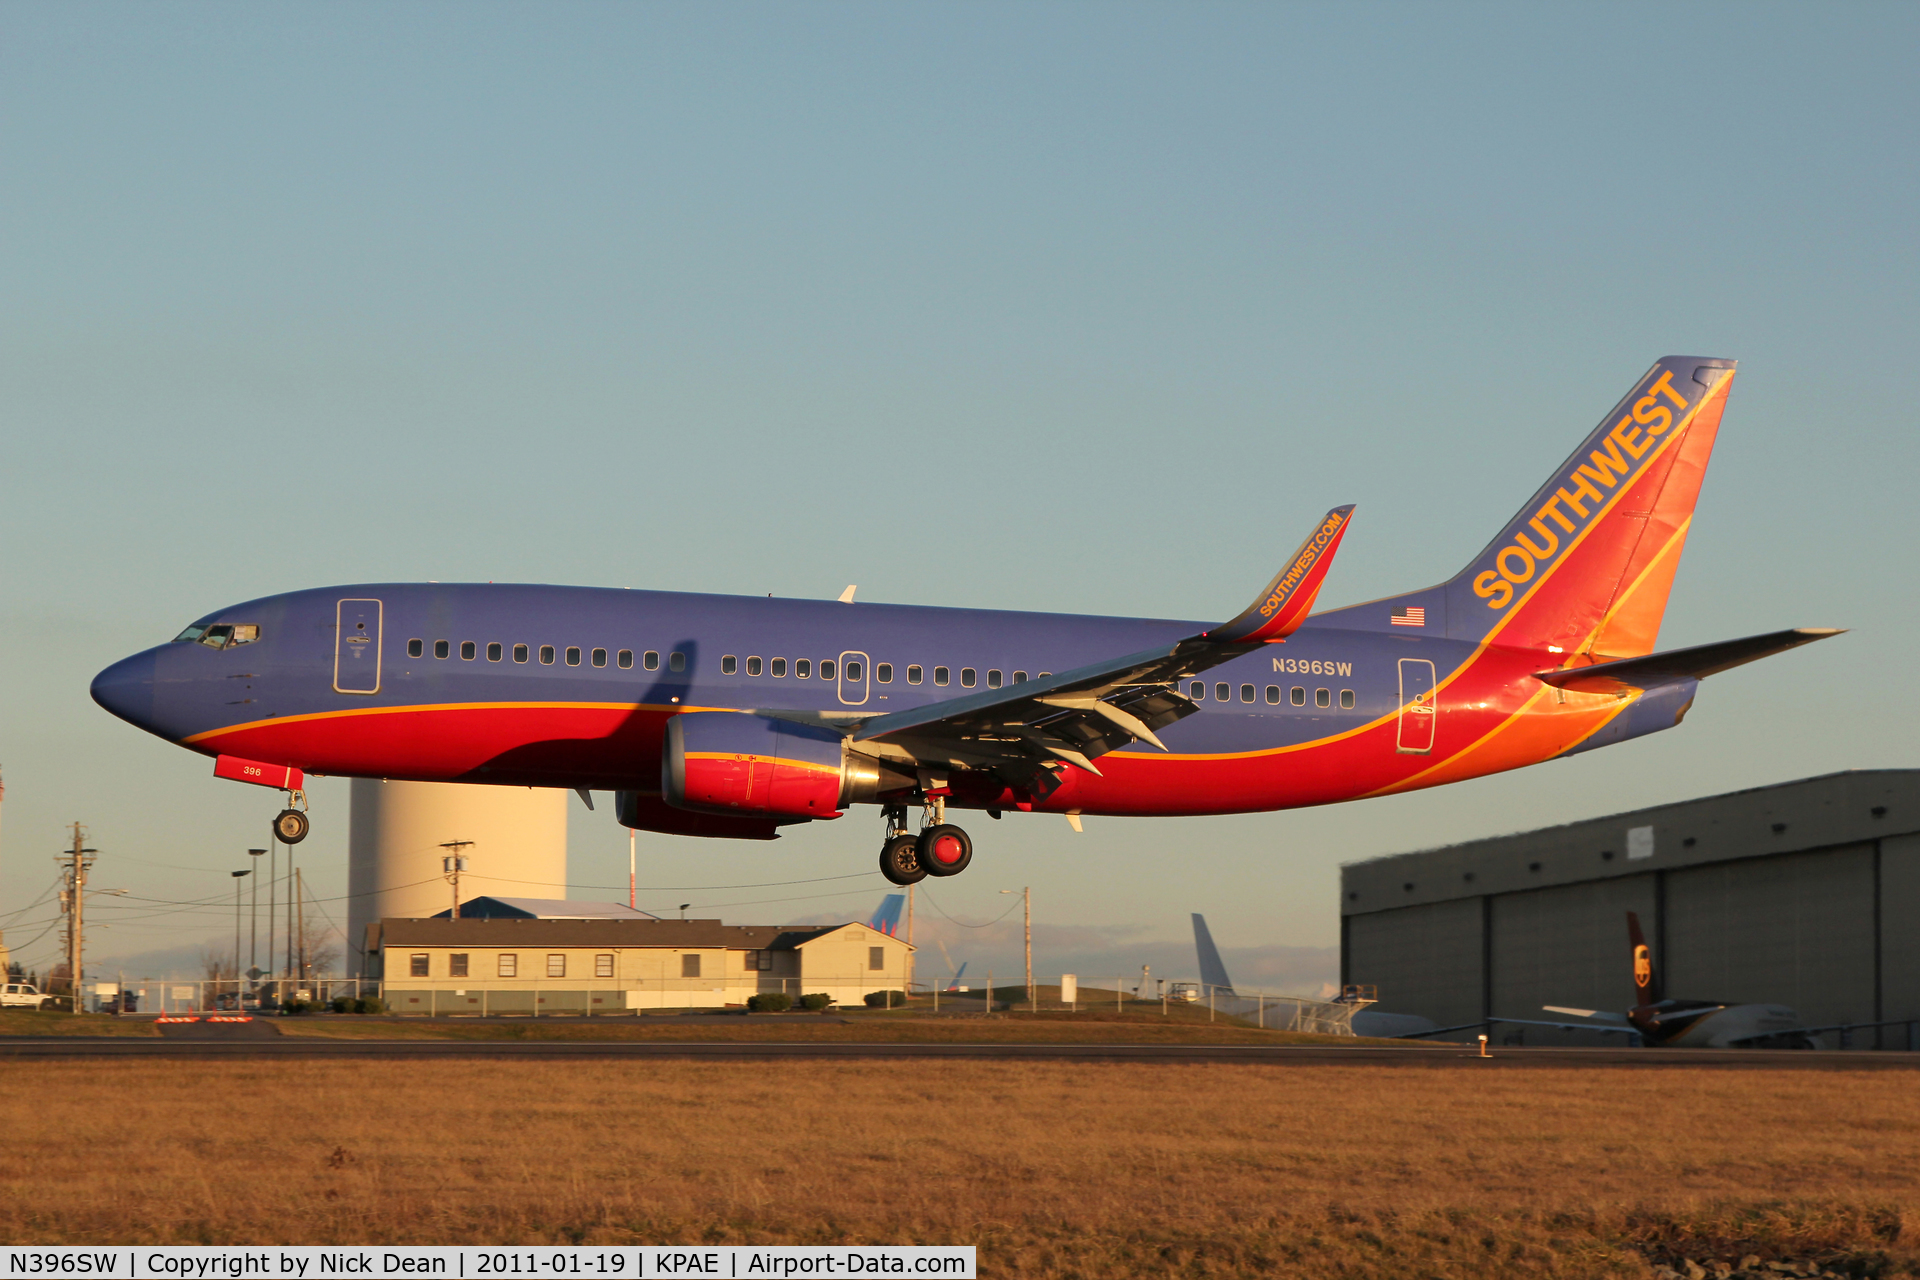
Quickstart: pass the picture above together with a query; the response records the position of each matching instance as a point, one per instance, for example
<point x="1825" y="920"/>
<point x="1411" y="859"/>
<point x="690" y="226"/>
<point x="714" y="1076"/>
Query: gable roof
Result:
<point x="490" y="907"/>
<point x="441" y="931"/>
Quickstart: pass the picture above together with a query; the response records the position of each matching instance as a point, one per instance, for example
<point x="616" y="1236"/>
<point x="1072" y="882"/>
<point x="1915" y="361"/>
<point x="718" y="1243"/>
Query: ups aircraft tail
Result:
<point x="1586" y="565"/>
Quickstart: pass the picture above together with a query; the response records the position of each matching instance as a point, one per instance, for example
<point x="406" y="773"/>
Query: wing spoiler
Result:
<point x="1680" y="664"/>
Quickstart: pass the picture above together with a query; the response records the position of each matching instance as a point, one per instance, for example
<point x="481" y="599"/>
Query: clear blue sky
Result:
<point x="1039" y="306"/>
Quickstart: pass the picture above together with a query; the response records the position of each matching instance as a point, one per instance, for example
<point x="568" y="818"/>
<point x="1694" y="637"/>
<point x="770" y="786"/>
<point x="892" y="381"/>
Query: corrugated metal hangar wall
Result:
<point x="1804" y="894"/>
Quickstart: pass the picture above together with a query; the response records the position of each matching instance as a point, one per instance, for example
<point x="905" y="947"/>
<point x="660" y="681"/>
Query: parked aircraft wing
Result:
<point x="1079" y="715"/>
<point x="1695" y="663"/>
<point x="1605" y="1028"/>
<point x="1597" y="1015"/>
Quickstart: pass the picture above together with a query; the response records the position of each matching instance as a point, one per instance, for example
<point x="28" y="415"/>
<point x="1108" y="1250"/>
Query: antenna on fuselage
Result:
<point x="846" y="597"/>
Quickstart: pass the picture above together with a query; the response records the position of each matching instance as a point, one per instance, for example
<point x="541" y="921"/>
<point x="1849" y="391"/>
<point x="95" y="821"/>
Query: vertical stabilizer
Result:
<point x="1646" y="983"/>
<point x="1212" y="972"/>
<point x="886" y="917"/>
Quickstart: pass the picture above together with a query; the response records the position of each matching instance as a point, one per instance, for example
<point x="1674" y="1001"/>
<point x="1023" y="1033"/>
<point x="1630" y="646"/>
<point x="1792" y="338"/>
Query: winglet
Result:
<point x="1284" y="605"/>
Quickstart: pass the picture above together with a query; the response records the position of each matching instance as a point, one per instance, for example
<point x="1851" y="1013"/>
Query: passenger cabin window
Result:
<point x="690" y="966"/>
<point x="546" y="655"/>
<point x="416" y="966"/>
<point x="573" y="657"/>
<point x="1273" y="695"/>
<point x="993" y="679"/>
<point x="1199" y="691"/>
<point x="676" y="662"/>
<point x="441" y="648"/>
<point x="779" y="668"/>
<point x="729" y="665"/>
<point x="1322" y="698"/>
<point x="468" y="650"/>
<point x="457" y="965"/>
<point x="495" y="653"/>
<point x="416" y="648"/>
<point x="967" y="677"/>
<point x="915" y="675"/>
<point x="650" y="660"/>
<point x="802" y="668"/>
<point x="883" y="672"/>
<point x="1246" y="693"/>
<point x="1298" y="696"/>
<point x="625" y="659"/>
<point x="826" y="669"/>
<point x="753" y="666"/>
<point x="1222" y="693"/>
<point x="519" y="653"/>
<point x="1019" y="677"/>
<point x="509" y="965"/>
<point x="599" y="657"/>
<point x="1346" y="699"/>
<point x="854" y="673"/>
<point x="941" y="675"/>
<point x="603" y="965"/>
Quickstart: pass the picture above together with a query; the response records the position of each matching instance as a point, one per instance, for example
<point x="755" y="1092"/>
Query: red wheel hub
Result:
<point x="947" y="849"/>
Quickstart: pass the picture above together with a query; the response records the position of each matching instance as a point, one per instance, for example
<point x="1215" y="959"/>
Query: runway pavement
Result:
<point x="199" y="1040"/>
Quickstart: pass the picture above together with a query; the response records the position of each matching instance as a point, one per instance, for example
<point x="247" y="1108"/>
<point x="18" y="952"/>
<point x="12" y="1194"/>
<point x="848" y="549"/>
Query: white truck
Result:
<point x="22" y="995"/>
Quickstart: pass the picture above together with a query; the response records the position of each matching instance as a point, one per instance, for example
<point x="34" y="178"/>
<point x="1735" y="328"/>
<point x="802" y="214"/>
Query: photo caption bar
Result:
<point x="327" y="1262"/>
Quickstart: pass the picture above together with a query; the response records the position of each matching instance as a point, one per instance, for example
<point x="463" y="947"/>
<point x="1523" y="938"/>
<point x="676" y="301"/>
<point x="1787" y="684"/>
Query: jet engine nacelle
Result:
<point x="723" y="762"/>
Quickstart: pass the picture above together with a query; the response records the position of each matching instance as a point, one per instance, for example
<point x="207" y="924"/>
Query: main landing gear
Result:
<point x="941" y="849"/>
<point x="291" y="826"/>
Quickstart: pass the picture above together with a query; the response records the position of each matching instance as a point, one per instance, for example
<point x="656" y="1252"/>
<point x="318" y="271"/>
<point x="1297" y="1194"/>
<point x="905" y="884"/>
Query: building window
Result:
<point x="1298" y="696"/>
<point x="625" y="659"/>
<point x="556" y="964"/>
<point x="546" y="655"/>
<point x="676" y="662"/>
<point x="1346" y="699"/>
<point x="416" y="966"/>
<point x="915" y="675"/>
<point x="883" y="672"/>
<point x="1273" y="694"/>
<point x="467" y="651"/>
<point x="1322" y="698"/>
<point x="993" y="679"/>
<point x="650" y="660"/>
<point x="967" y="677"/>
<point x="573" y="657"/>
<point x="441" y="648"/>
<point x="599" y="657"/>
<point x="1246" y="693"/>
<point x="603" y="965"/>
<point x="520" y="653"/>
<point x="690" y="966"/>
<point x="416" y="648"/>
<point x="495" y="653"/>
<point x="778" y="668"/>
<point x="759" y="961"/>
<point x="941" y="675"/>
<point x="457" y="965"/>
<point x="509" y="965"/>
<point x="826" y="669"/>
<point x="753" y="666"/>
<point x="1222" y="693"/>
<point x="876" y="958"/>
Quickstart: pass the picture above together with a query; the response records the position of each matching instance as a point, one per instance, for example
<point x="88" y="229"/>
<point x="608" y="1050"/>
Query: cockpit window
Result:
<point x="222" y="635"/>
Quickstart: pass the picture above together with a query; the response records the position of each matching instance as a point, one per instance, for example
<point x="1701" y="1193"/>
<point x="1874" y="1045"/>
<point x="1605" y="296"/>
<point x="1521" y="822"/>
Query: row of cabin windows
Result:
<point x="803" y="669"/>
<point x="420" y="964"/>
<point x="1223" y="692"/>
<point x="649" y="661"/>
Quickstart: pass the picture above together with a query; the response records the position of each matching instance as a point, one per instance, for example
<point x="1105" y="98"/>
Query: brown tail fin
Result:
<point x="1646" y="987"/>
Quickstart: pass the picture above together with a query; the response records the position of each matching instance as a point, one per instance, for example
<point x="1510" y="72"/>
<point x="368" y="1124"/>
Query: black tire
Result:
<point x="291" y="826"/>
<point x="945" y="850"/>
<point x="900" y="860"/>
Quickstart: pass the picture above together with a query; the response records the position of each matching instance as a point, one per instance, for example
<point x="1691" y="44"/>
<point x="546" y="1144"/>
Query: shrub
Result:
<point x="293" y="1008"/>
<point x="885" y="999"/>
<point x="770" y="1002"/>
<point x="815" y="1002"/>
<point x="341" y="1004"/>
<point x="370" y="1004"/>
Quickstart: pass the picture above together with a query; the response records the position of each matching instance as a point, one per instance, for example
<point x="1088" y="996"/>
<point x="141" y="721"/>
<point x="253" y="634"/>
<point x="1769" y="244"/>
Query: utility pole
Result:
<point x="1026" y="905"/>
<point x="910" y="945"/>
<point x="253" y="916"/>
<point x="237" y="877"/>
<point x="73" y="897"/>
<point x="633" y="891"/>
<point x="300" y="896"/>
<point x="452" y="865"/>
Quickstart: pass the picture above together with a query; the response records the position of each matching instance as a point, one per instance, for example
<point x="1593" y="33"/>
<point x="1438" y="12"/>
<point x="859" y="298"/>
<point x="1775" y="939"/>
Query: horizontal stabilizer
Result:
<point x="1681" y="664"/>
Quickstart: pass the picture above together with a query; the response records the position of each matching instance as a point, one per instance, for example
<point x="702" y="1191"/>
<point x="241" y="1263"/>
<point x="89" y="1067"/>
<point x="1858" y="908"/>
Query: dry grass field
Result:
<point x="1052" y="1169"/>
<point x="38" y="1022"/>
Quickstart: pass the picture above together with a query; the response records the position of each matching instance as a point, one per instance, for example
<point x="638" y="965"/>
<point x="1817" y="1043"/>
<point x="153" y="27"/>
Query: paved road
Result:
<point x="259" y="1040"/>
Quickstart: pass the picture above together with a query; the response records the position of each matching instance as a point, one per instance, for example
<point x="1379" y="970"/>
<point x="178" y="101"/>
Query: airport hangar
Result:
<point x="1804" y="894"/>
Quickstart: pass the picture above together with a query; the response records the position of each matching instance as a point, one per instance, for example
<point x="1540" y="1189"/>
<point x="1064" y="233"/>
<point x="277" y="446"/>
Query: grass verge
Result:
<point x="36" y="1022"/>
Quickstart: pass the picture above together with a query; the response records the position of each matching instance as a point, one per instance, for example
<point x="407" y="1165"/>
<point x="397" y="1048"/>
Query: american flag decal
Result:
<point x="1412" y="616"/>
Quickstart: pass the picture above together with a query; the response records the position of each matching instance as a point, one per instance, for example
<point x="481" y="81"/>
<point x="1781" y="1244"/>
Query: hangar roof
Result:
<point x="1788" y="817"/>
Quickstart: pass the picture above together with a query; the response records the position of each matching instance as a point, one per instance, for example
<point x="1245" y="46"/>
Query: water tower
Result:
<point x="513" y="838"/>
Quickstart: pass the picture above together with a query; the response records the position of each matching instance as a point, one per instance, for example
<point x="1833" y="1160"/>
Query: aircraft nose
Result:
<point x="126" y="689"/>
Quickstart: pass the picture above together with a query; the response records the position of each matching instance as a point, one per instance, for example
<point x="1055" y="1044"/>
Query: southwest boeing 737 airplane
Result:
<point x="733" y="716"/>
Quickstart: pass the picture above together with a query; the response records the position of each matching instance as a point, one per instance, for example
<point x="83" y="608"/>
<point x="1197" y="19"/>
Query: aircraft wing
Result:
<point x="1597" y="1015"/>
<point x="1076" y="716"/>
<point x="1604" y="1027"/>
<point x="1695" y="663"/>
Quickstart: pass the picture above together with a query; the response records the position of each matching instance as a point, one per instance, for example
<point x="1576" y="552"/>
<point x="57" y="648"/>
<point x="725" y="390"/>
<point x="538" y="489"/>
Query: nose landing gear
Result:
<point x="941" y="849"/>
<point x="292" y="825"/>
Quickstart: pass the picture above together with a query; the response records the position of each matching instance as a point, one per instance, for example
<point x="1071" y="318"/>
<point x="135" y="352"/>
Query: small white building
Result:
<point x="534" y="965"/>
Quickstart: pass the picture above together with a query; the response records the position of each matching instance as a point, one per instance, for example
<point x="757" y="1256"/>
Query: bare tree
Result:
<point x="217" y="965"/>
